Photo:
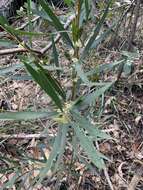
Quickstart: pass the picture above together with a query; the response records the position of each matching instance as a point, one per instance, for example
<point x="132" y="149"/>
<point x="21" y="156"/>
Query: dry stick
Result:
<point x="132" y="34"/>
<point x="23" y="136"/>
<point x="42" y="51"/>
<point x="108" y="179"/>
<point x="15" y="50"/>
<point x="25" y="24"/>
<point x="136" y="179"/>
<point x="106" y="173"/>
<point x="45" y="49"/>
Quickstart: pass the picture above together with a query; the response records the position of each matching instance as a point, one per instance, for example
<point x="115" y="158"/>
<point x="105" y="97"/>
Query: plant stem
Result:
<point x="29" y="20"/>
<point x="76" y="50"/>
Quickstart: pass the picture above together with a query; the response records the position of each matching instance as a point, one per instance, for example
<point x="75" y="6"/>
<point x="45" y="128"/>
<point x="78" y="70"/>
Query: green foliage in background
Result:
<point x="74" y="125"/>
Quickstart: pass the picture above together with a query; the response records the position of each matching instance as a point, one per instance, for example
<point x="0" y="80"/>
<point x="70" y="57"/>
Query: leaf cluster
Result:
<point x="66" y="111"/>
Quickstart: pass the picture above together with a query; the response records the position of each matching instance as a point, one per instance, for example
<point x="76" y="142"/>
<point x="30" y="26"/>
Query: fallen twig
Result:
<point x="23" y="136"/>
<point x="136" y="179"/>
<point x="25" y="24"/>
<point x="108" y="179"/>
<point x="16" y="50"/>
<point x="106" y="173"/>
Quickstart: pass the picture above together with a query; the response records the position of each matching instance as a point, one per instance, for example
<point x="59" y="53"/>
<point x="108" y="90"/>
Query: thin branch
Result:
<point x="106" y="173"/>
<point x="25" y="24"/>
<point x="23" y="136"/>
<point x="136" y="179"/>
<point x="16" y="50"/>
<point x="108" y="179"/>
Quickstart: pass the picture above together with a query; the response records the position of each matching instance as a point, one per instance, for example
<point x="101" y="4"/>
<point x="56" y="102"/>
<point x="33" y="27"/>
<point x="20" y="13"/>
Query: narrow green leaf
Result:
<point x="45" y="84"/>
<point x="3" y="21"/>
<point x="48" y="77"/>
<point x="102" y="37"/>
<point x="91" y="98"/>
<point x="23" y="33"/>
<point x="26" y="115"/>
<point x="96" y="32"/>
<point x="87" y="8"/>
<point x="4" y="71"/>
<point x="10" y="182"/>
<point x="5" y="25"/>
<point x="55" y="55"/>
<point x="65" y="129"/>
<point x="43" y="15"/>
<point x="51" y="159"/>
<point x="82" y="75"/>
<point x="7" y="43"/>
<point x="58" y="25"/>
<point x="92" y="130"/>
<point x="20" y="77"/>
<point x="104" y="68"/>
<point x="87" y="145"/>
<point x="9" y="69"/>
<point x="55" y="84"/>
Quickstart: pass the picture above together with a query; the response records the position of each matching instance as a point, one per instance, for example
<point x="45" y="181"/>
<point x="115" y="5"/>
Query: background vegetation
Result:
<point x="71" y="96"/>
